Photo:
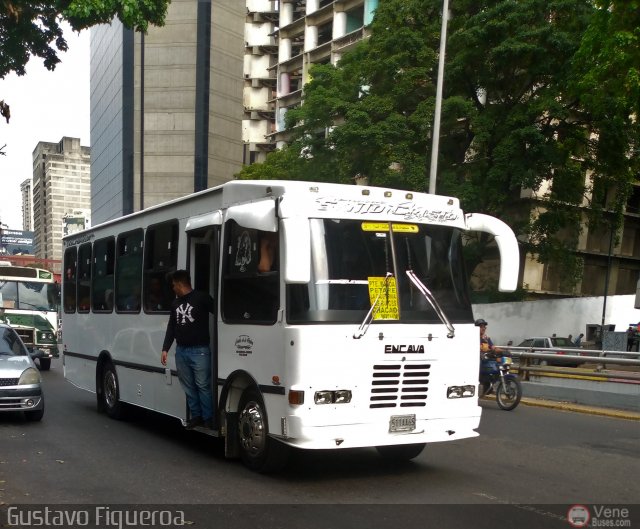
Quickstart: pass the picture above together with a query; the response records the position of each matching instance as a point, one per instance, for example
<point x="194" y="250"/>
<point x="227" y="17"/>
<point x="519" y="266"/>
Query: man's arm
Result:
<point x="168" y="337"/>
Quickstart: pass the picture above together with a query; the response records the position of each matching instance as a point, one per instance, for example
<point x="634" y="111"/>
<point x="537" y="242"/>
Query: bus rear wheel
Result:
<point x="401" y="452"/>
<point x="110" y="394"/>
<point x="258" y="451"/>
<point x="45" y="364"/>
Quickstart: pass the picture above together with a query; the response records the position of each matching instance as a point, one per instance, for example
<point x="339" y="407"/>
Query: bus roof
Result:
<point x="15" y="273"/>
<point x="310" y="199"/>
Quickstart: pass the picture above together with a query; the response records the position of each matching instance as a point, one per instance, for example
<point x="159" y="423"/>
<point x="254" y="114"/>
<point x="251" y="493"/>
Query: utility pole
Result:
<point x="435" y="143"/>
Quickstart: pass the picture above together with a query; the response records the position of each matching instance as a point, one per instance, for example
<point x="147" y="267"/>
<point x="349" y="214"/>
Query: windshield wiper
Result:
<point x="432" y="301"/>
<point x="364" y="326"/>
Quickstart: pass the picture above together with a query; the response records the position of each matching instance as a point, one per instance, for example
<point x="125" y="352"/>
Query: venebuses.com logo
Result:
<point x="598" y="516"/>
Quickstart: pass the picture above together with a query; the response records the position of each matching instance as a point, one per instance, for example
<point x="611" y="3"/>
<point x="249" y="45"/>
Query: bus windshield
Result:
<point x="28" y="295"/>
<point x="352" y="261"/>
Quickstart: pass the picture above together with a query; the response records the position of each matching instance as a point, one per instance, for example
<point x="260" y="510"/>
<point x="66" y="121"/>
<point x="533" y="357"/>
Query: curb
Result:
<point x="582" y="408"/>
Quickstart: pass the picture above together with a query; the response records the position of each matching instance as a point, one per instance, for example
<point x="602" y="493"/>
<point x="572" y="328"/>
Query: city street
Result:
<point x="531" y="456"/>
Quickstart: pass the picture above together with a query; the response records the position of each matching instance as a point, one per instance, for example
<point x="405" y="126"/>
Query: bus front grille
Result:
<point x="399" y="385"/>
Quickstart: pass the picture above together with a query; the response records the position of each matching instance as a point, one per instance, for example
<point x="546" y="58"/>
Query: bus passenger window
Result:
<point x="69" y="279"/>
<point x="84" y="278"/>
<point x="251" y="282"/>
<point x="160" y="259"/>
<point x="129" y="272"/>
<point x="102" y="275"/>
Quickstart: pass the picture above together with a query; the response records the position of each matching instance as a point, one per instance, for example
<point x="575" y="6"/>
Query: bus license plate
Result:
<point x="402" y="423"/>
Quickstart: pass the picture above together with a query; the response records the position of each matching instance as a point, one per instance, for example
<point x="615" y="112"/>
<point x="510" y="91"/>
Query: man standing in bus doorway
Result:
<point x="189" y="326"/>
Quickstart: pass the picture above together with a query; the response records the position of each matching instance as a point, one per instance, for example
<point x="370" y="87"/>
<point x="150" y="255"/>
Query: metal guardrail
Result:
<point x="600" y="357"/>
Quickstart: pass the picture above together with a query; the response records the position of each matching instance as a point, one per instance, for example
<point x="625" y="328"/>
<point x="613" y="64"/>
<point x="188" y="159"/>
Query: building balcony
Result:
<point x="348" y="41"/>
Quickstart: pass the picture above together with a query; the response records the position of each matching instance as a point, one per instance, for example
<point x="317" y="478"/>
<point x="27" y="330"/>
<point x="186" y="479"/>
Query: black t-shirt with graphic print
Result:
<point x="189" y="320"/>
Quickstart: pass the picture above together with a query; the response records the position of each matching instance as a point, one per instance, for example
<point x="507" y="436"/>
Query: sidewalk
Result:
<point x="581" y="408"/>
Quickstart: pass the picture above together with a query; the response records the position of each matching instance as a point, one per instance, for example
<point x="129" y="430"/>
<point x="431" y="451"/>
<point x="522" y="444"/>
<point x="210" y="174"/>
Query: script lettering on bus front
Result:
<point x="403" y="210"/>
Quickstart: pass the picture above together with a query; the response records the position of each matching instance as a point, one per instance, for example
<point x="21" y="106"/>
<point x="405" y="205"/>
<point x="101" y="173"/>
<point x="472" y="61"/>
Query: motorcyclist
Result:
<point x="493" y="377"/>
<point x="488" y="354"/>
<point x="487" y="349"/>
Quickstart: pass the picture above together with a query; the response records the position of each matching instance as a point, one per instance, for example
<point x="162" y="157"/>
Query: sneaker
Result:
<point x="208" y="423"/>
<point x="192" y="423"/>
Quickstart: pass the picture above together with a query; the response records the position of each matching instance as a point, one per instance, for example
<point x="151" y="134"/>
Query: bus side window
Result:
<point x="69" y="279"/>
<point x="84" y="278"/>
<point x="129" y="271"/>
<point x="160" y="259"/>
<point x="251" y="289"/>
<point x="102" y="275"/>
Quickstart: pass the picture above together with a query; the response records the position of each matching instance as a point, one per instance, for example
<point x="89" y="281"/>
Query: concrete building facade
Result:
<point x="166" y="107"/>
<point x="283" y="39"/>
<point x="61" y="184"/>
<point x="27" y="204"/>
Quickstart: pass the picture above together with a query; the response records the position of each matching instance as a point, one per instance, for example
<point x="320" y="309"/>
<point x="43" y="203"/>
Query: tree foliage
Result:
<point x="518" y="113"/>
<point x="33" y="27"/>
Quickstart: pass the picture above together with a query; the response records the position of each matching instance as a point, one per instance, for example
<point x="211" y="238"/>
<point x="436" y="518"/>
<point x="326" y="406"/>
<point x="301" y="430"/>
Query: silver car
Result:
<point x="20" y="382"/>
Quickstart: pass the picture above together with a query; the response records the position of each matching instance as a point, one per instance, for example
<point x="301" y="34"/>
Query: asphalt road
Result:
<point x="531" y="462"/>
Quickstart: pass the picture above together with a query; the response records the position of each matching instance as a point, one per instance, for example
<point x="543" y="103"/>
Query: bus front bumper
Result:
<point x="375" y="434"/>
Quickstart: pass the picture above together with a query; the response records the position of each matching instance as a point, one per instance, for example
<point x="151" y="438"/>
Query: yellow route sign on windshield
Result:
<point x="384" y="226"/>
<point x="387" y="307"/>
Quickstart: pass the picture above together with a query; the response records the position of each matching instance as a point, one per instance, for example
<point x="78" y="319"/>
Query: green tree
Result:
<point x="512" y="117"/>
<point x="33" y="28"/>
<point x="606" y="81"/>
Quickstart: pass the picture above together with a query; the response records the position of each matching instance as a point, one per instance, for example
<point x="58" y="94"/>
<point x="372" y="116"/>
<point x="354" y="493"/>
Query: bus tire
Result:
<point x="258" y="451"/>
<point x="401" y="452"/>
<point x="110" y="394"/>
<point x="45" y="364"/>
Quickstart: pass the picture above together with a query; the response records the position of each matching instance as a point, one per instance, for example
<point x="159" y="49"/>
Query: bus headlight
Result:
<point x="339" y="396"/>
<point x="342" y="396"/>
<point x="459" y="392"/>
<point x="29" y="376"/>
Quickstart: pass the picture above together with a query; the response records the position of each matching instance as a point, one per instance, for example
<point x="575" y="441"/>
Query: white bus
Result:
<point x="29" y="303"/>
<point x="358" y="332"/>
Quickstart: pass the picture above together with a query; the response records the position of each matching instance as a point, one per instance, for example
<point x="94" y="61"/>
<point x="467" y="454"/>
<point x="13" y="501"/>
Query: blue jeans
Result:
<point x="194" y="372"/>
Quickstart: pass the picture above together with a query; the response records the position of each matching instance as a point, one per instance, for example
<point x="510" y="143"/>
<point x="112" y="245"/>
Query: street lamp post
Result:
<point x="435" y="144"/>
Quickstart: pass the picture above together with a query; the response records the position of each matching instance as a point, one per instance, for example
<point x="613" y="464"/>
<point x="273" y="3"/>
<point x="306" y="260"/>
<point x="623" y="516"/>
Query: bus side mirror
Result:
<point x="507" y="245"/>
<point x="297" y="250"/>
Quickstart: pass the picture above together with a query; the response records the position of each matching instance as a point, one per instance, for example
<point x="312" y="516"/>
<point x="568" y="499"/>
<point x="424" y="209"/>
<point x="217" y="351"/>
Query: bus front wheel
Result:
<point x="258" y="451"/>
<point x="110" y="393"/>
<point x="401" y="452"/>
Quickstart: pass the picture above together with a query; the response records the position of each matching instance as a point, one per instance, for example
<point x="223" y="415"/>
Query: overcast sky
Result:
<point x="45" y="106"/>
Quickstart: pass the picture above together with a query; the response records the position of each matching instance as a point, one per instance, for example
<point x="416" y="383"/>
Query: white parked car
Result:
<point x="569" y="348"/>
<point x="20" y="382"/>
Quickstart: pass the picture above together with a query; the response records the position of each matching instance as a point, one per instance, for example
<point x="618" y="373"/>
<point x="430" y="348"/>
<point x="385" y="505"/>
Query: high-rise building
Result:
<point x="283" y="40"/>
<point x="61" y="185"/>
<point x="27" y="205"/>
<point x="166" y="107"/>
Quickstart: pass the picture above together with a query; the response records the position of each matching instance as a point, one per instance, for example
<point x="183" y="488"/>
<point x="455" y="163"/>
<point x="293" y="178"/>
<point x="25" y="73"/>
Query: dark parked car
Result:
<point x="20" y="382"/>
<point x="568" y="348"/>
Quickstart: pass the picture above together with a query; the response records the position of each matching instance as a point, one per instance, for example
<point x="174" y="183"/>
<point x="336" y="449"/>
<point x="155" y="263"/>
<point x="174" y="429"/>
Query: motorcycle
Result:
<point x="495" y="377"/>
